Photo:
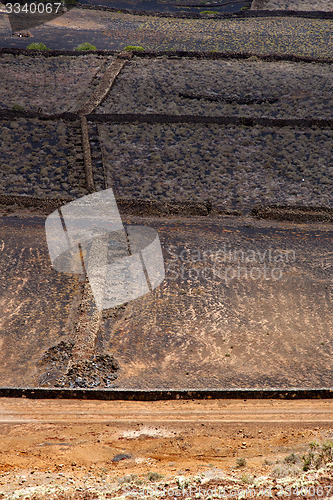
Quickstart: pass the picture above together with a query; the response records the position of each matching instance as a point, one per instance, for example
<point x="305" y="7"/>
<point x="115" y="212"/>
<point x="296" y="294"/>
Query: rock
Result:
<point x="23" y="33"/>
<point x="121" y="456"/>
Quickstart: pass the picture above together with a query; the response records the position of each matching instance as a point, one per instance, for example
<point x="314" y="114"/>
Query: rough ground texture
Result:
<point x="112" y="30"/>
<point x="36" y="301"/>
<point x="180" y="449"/>
<point x="48" y="84"/>
<point x="41" y="159"/>
<point x="198" y="328"/>
<point x="220" y="320"/>
<point x="306" y="5"/>
<point x="234" y="166"/>
<point x="245" y="303"/>
<point x="274" y="89"/>
<point x="101" y="370"/>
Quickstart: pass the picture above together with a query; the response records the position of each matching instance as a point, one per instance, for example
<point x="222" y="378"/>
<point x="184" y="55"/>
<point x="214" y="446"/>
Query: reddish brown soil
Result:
<point x="73" y="443"/>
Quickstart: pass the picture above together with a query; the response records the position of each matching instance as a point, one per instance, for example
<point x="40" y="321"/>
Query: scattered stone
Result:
<point x="121" y="456"/>
<point x="23" y="33"/>
<point x="98" y="372"/>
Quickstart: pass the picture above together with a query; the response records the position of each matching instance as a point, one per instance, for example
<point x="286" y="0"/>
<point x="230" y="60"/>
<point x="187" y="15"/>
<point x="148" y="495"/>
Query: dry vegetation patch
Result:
<point x="223" y="87"/>
<point x="42" y="159"/>
<point x="48" y="84"/>
<point x="229" y="165"/>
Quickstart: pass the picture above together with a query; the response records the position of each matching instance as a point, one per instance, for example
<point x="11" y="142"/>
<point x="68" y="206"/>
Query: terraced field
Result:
<point x="244" y="322"/>
<point x="250" y="87"/>
<point x="47" y="84"/>
<point x="114" y="31"/>
<point x="246" y="301"/>
<point x="242" y="305"/>
<point x="229" y="165"/>
<point x="41" y="159"/>
<point x="35" y="300"/>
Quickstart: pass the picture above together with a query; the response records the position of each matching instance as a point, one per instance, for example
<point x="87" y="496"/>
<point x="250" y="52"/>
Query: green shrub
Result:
<point x="129" y="48"/>
<point x="17" y="107"/>
<point x="247" y="479"/>
<point x="317" y="455"/>
<point x="241" y="462"/>
<point x="85" y="46"/>
<point x="291" y="459"/>
<point x="37" y="46"/>
<point x="154" y="476"/>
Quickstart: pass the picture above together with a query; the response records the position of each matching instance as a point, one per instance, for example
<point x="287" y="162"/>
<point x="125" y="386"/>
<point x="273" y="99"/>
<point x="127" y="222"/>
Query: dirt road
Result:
<point x="180" y="413"/>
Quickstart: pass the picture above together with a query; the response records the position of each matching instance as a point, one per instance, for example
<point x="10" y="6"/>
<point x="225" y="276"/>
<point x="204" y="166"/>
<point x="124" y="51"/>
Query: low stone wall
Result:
<point x="294" y="214"/>
<point x="157" y="395"/>
<point x="170" y="53"/>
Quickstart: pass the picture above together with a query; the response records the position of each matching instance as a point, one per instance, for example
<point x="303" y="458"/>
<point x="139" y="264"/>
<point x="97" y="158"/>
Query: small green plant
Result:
<point x="154" y="476"/>
<point x="208" y="12"/>
<point x="247" y="479"/>
<point x="37" y="46"/>
<point x="85" y="46"/>
<point x="291" y="459"/>
<point x="241" y="462"/>
<point x="17" y="107"/>
<point x="283" y="470"/>
<point x="130" y="48"/>
<point x="317" y="455"/>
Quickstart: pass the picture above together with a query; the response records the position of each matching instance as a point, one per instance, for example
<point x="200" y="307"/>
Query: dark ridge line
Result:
<point x="165" y="394"/>
<point x="169" y="53"/>
<point x="126" y="205"/>
<point x="232" y="55"/>
<point x="219" y="120"/>
<point x="299" y="208"/>
<point x="129" y="206"/>
<point x="155" y="208"/>
<point x="296" y="214"/>
<point x="247" y="13"/>
<point x="16" y="51"/>
<point x="131" y="118"/>
<point x="65" y="116"/>
<point x="24" y="201"/>
<point x="209" y="5"/>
